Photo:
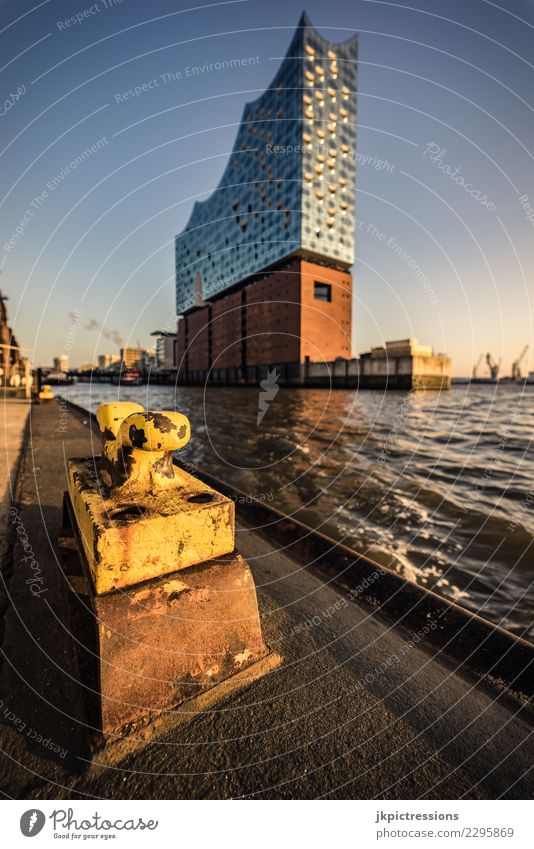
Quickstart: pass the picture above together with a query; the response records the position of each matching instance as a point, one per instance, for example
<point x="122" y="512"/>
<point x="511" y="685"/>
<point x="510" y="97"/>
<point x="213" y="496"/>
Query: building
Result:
<point x="10" y="358"/>
<point x="165" y="349"/>
<point x="138" y="359"/>
<point x="131" y="357"/>
<point x="263" y="265"/>
<point x="404" y="364"/>
<point x="148" y="360"/>
<point x="61" y="363"/>
<point x="107" y="360"/>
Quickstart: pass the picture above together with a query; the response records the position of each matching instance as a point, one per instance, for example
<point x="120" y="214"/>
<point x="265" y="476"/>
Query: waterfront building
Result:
<point x="10" y="358"/>
<point x="61" y="363"/>
<point x="131" y="357"/>
<point x="404" y="364"/>
<point x="165" y="349"/>
<point x="107" y="360"/>
<point x="263" y="265"/>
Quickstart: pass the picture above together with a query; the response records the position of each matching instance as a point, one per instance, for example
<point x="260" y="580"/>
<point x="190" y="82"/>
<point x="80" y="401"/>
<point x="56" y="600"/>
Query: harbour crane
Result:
<point x="477" y="365"/>
<point x="516" y="365"/>
<point x="493" y="367"/>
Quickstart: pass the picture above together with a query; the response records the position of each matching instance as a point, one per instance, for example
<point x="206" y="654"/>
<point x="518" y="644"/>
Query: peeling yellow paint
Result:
<point x="156" y="521"/>
<point x="242" y="657"/>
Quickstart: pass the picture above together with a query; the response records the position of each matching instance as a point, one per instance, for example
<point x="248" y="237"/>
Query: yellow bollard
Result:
<point x="173" y="605"/>
<point x="46" y="393"/>
<point x="139" y="516"/>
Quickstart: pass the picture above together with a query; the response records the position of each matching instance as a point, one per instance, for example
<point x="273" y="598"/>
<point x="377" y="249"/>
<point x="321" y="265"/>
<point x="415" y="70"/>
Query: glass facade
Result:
<point x="289" y="184"/>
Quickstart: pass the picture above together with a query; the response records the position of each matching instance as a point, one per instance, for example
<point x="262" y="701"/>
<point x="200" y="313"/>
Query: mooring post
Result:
<point x="175" y="608"/>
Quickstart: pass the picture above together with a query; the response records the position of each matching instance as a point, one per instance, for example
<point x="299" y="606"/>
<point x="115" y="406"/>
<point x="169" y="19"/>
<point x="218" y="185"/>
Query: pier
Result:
<point x="397" y="365"/>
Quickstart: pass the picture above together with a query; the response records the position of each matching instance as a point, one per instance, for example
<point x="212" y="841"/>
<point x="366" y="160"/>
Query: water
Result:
<point x="438" y="486"/>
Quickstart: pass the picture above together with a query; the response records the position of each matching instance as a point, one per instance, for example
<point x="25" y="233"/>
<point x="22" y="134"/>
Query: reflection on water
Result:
<point x="438" y="486"/>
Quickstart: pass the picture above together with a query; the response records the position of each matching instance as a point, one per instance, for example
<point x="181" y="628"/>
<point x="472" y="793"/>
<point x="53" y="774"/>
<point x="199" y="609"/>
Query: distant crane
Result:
<point x="516" y="365"/>
<point x="477" y="365"/>
<point x="493" y="367"/>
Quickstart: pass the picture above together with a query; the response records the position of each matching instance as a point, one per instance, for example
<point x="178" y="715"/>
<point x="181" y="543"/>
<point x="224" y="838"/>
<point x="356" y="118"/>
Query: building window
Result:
<point x="322" y="291"/>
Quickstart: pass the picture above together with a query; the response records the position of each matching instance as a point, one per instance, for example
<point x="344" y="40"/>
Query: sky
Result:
<point x="445" y="179"/>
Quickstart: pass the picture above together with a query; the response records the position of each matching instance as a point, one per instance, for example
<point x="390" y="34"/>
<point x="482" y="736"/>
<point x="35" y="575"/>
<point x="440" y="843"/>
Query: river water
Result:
<point x="438" y="486"/>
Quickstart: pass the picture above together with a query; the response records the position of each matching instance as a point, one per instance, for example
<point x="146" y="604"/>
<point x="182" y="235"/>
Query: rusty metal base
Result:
<point x="146" y="649"/>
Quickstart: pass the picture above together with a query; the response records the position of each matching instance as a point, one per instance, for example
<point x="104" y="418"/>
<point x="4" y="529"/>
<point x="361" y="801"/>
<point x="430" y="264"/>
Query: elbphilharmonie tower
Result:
<point x="263" y="265"/>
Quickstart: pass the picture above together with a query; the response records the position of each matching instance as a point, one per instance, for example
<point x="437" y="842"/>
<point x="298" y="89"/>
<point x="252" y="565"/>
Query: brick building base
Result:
<point x="294" y="314"/>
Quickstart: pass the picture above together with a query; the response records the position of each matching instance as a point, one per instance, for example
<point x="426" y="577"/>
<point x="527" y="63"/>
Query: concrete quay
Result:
<point x="398" y="365"/>
<point x="361" y="707"/>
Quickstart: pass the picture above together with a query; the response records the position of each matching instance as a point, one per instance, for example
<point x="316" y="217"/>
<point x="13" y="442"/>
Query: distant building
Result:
<point x="131" y="357"/>
<point x="140" y="359"/>
<point x="404" y="364"/>
<point x="87" y="367"/>
<point x="402" y="348"/>
<point x="165" y="349"/>
<point x="263" y="265"/>
<point x="61" y="363"/>
<point x="148" y="360"/>
<point x="107" y="360"/>
<point x="10" y="359"/>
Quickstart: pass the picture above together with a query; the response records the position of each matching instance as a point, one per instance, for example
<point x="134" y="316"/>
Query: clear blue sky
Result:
<point x="453" y="75"/>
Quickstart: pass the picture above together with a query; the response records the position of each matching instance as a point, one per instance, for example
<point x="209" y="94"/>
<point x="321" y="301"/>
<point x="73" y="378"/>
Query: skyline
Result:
<point x="100" y="183"/>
